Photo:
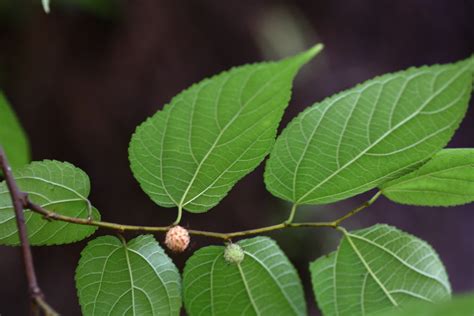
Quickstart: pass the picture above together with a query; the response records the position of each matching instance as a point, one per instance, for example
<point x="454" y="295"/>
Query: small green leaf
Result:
<point x="377" y="269"/>
<point x="365" y="136"/>
<point x="211" y="135"/>
<point x="57" y="186"/>
<point x="263" y="283"/>
<point x="12" y="137"/>
<point x="134" y="278"/>
<point x="462" y="305"/>
<point x="445" y="180"/>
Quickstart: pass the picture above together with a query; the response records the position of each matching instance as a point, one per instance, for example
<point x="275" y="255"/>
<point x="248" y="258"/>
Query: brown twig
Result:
<point x="19" y="200"/>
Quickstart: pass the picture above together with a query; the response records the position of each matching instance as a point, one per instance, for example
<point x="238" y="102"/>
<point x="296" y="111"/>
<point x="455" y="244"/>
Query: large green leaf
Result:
<point x="264" y="283"/>
<point x="377" y="269"/>
<point x="459" y="306"/>
<point x="57" y="186"/>
<point x="362" y="137"/>
<point x="192" y="152"/>
<point x="446" y="180"/>
<point x="134" y="278"/>
<point x="12" y="137"/>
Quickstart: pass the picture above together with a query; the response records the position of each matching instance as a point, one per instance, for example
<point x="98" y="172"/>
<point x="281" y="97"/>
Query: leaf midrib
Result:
<point x="212" y="283"/>
<point x="163" y="283"/>
<point x="132" y="286"/>
<point x="386" y="134"/>
<point x="224" y="172"/>
<point x="52" y="183"/>
<point x="274" y="279"/>
<point x="221" y="133"/>
<point x="403" y="262"/>
<point x="322" y="115"/>
<point x="418" y="177"/>
<point x="369" y="270"/>
<point x="247" y="289"/>
<point x="334" y="282"/>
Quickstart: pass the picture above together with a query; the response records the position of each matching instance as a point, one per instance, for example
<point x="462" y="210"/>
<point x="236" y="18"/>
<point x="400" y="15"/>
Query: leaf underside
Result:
<point x="57" y="186"/>
<point x="211" y="135"/>
<point x="264" y="283"/>
<point x="134" y="278"/>
<point x="459" y="306"/>
<point x="375" y="270"/>
<point x="365" y="136"/>
<point x="445" y="180"/>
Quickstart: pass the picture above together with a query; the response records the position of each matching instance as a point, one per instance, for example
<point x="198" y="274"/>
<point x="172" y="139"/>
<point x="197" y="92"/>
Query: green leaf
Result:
<point x="211" y="135"/>
<point x="377" y="269"/>
<point x="57" y="186"/>
<point x="365" y="136"/>
<point x="264" y="283"/>
<point x="445" y="180"/>
<point x="12" y="137"/>
<point x="134" y="278"/>
<point x="459" y="306"/>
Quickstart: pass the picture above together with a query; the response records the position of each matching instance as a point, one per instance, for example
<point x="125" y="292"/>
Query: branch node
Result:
<point x="23" y="197"/>
<point x="48" y="217"/>
<point x="36" y="292"/>
<point x="20" y="202"/>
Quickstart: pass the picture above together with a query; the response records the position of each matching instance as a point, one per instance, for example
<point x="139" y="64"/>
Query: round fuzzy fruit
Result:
<point x="234" y="254"/>
<point x="177" y="239"/>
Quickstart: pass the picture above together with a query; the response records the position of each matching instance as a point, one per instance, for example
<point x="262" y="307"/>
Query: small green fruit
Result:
<point x="234" y="254"/>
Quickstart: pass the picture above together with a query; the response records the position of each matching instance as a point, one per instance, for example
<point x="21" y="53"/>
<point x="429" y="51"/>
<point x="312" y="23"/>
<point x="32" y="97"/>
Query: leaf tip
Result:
<point x="46" y="6"/>
<point x="311" y="53"/>
<point x="316" y="49"/>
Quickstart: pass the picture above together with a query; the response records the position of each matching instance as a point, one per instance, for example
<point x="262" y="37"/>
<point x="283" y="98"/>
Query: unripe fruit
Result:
<point x="234" y="254"/>
<point x="177" y="239"/>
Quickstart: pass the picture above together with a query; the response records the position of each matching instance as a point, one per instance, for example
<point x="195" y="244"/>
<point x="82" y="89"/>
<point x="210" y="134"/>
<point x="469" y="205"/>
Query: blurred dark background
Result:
<point x="83" y="77"/>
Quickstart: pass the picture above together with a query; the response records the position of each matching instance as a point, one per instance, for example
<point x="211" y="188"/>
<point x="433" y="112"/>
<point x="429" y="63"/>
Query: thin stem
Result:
<point x="18" y="200"/>
<point x="359" y="208"/>
<point x="225" y="236"/>
<point x="178" y="218"/>
<point x="279" y="227"/>
<point x="48" y="215"/>
<point x="45" y="307"/>
<point x="292" y="214"/>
